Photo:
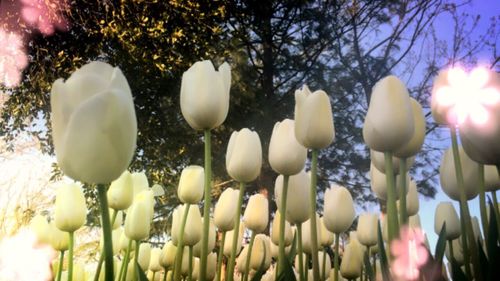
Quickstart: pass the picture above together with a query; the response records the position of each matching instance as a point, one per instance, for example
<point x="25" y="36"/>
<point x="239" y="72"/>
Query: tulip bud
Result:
<point x="389" y="121"/>
<point x="458" y="252"/>
<point x="228" y="243"/>
<point x="154" y="262"/>
<point x="352" y="263"/>
<point x="192" y="229"/>
<point x="93" y="117"/>
<point x="124" y="241"/>
<point x="256" y="213"/>
<point x="414" y="145"/>
<point x="448" y="177"/>
<point x="306" y="235"/>
<point x="446" y="213"/>
<point x="40" y="227"/>
<point x="378" y="160"/>
<point x="211" y="240"/>
<point x="167" y="255"/>
<point x="205" y="95"/>
<point x="275" y="230"/>
<point x="286" y="155"/>
<point x="191" y="184"/>
<point x="261" y="251"/>
<point x="367" y="229"/>
<point x="144" y="255"/>
<point x="139" y="182"/>
<point x="139" y="216"/>
<point x="338" y="209"/>
<point x="211" y="266"/>
<point x="244" y="155"/>
<point x="196" y="269"/>
<point x="325" y="235"/>
<point x="491" y="178"/>
<point x="185" y="262"/>
<point x="71" y="209"/>
<point x="414" y="221"/>
<point x="225" y="209"/>
<point x="241" y="260"/>
<point x="480" y="139"/>
<point x="378" y="183"/>
<point x="298" y="194"/>
<point x="58" y="239"/>
<point x="121" y="192"/>
<point x="313" y="118"/>
<point x="412" y="203"/>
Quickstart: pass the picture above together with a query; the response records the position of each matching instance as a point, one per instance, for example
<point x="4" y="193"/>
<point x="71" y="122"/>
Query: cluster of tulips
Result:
<point x="94" y="131"/>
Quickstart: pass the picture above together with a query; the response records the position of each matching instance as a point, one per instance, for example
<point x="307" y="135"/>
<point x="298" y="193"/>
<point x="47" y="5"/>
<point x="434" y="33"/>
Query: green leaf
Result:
<point x="384" y="265"/>
<point x="288" y="274"/>
<point x="258" y="275"/>
<point x="293" y="250"/>
<point x="456" y="273"/>
<point x="492" y="244"/>
<point x="441" y="244"/>
<point x="141" y="276"/>
<point x="368" y="267"/>
<point x="483" y="260"/>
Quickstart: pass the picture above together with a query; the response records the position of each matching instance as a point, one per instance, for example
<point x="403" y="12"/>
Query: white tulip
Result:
<point x="244" y="156"/>
<point x="338" y="209"/>
<point x="286" y="155"/>
<point x="191" y="184"/>
<point x="121" y="193"/>
<point x="225" y="209"/>
<point x="378" y="160"/>
<point x="297" y="202"/>
<point x="94" y="126"/>
<point x="71" y="210"/>
<point x="205" y="95"/>
<point x="448" y="177"/>
<point x="414" y="145"/>
<point x="445" y="213"/>
<point x="256" y="213"/>
<point x="367" y="229"/>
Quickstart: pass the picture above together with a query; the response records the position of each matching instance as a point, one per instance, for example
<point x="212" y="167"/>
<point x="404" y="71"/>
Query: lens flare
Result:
<point x="409" y="254"/>
<point x="13" y="58"/>
<point x="468" y="95"/>
<point x="45" y="15"/>
<point x="23" y="259"/>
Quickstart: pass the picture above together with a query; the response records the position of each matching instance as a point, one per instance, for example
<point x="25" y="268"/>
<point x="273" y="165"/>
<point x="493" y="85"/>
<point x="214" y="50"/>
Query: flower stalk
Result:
<point x="249" y="256"/>
<point x="70" y="257"/>
<point x="236" y="234"/>
<point x="207" y="204"/>
<point x="299" y="250"/>
<point x="403" y="214"/>
<point x="392" y="216"/>
<point x="180" y="244"/>
<point x="314" y="231"/>
<point x="282" y="207"/>
<point x="59" y="268"/>
<point x="221" y="253"/>
<point x="106" y="229"/>
<point x="336" y="258"/>
<point x="482" y="200"/>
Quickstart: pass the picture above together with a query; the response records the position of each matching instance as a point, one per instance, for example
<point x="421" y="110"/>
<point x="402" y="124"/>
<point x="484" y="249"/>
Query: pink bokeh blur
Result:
<point x="13" y="58"/>
<point x="45" y="15"/>
<point x="409" y="254"/>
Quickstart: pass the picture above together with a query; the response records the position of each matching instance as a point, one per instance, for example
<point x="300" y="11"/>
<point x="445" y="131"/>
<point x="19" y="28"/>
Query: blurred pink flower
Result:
<point x="13" y="58"/>
<point x="22" y="259"/>
<point x="409" y="254"/>
<point x="45" y="15"/>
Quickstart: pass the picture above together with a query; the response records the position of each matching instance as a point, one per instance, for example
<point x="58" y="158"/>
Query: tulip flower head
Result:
<point x="244" y="155"/>
<point x="191" y="184"/>
<point x="205" y="95"/>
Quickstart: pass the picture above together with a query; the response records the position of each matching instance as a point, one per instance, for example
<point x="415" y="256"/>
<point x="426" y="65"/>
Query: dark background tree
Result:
<point x="274" y="47"/>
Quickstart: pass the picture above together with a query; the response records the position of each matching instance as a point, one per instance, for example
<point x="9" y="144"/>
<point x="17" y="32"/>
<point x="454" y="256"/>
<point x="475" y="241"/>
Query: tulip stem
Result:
<point x="136" y="260"/>
<point x="281" y="244"/>
<point x="190" y="264"/>
<point x="101" y="258"/>
<point x="323" y="276"/>
<point x="299" y="246"/>
<point x="165" y="274"/>
<point x="403" y="214"/>
<point x="482" y="200"/>
<point x="314" y="232"/>
<point x="392" y="216"/>
<point x="249" y="256"/>
<point x="206" y="206"/>
<point x="236" y="234"/>
<point x="70" y="257"/>
<point x="180" y="244"/>
<point x="106" y="232"/>
<point x="221" y="253"/>
<point x="59" y="268"/>
<point x="464" y="212"/>
<point x="450" y="245"/>
<point x="124" y="267"/>
<point x="306" y="267"/>
<point x="496" y="211"/>
<point x="336" y="257"/>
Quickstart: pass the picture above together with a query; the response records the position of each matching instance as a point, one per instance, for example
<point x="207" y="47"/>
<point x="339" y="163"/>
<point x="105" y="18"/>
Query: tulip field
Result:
<point x="231" y="232"/>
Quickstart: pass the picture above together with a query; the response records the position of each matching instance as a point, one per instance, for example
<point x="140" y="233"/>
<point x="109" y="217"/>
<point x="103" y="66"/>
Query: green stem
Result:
<point x="136" y="259"/>
<point x="70" y="257"/>
<point x="219" y="258"/>
<point x="106" y="231"/>
<point x="180" y="244"/>
<point x="249" y="256"/>
<point x="190" y="264"/>
<point x="101" y="258"/>
<point x="59" y="268"/>
<point x="324" y="266"/>
<point x="206" y="206"/>
<point x="314" y="232"/>
<point x="165" y="274"/>
<point x="336" y="258"/>
<point x="124" y="267"/>
<point x="299" y="247"/>
<point x="452" y="255"/>
<point x="482" y="200"/>
<point x="282" y="209"/>
<point x="374" y="265"/>
<point x="392" y="216"/>
<point x="469" y="234"/>
<point x="403" y="217"/>
<point x="306" y="267"/>
<point x="154" y="273"/>
<point x="236" y="234"/>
